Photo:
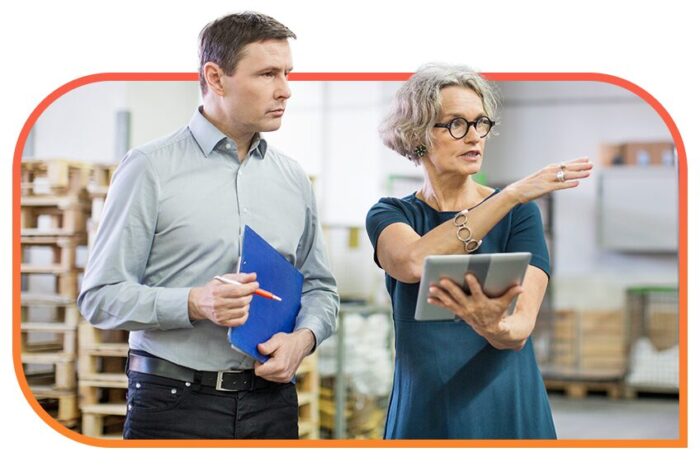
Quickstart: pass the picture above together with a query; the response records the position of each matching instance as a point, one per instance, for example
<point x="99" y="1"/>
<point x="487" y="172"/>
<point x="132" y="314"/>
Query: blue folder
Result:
<point x="267" y="316"/>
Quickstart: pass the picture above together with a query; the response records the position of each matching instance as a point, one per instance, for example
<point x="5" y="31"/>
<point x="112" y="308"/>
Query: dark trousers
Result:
<point x="162" y="408"/>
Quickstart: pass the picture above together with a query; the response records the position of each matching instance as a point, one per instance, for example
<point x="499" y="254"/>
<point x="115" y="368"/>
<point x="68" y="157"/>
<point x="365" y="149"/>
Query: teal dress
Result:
<point x="449" y="382"/>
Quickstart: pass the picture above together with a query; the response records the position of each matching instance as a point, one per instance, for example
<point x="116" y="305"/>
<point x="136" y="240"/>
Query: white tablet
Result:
<point x="495" y="272"/>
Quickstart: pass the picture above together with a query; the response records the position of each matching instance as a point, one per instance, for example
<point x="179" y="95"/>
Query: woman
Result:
<point x="476" y="376"/>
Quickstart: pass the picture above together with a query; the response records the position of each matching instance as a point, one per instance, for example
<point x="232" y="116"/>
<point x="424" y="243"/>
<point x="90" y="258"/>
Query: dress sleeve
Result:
<point x="527" y="235"/>
<point x="384" y="213"/>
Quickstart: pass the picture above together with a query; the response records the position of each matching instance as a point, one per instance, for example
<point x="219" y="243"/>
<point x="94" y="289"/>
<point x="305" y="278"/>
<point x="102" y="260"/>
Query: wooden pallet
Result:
<point x="48" y="336"/>
<point x="65" y="283"/>
<point x="365" y="415"/>
<point x="579" y="384"/>
<point x="63" y="249"/>
<point x="308" y="384"/>
<point x="636" y="391"/>
<point x="100" y="178"/>
<point x="92" y="337"/>
<point x="101" y="369"/>
<point x="108" y="358"/>
<point x="57" y="177"/>
<point x="61" y="404"/>
<point x="59" y="310"/>
<point x="61" y="365"/>
<point x="104" y="420"/>
<point x="64" y="215"/>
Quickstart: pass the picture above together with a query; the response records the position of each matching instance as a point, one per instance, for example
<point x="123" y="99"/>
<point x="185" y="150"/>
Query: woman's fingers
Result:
<point x="575" y="161"/>
<point x="437" y="302"/>
<point x="474" y="286"/>
<point x="438" y="294"/>
<point x="509" y="295"/>
<point x="577" y="168"/>
<point x="455" y="291"/>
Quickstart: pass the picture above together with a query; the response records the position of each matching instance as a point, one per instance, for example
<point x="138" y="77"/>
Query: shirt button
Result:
<point x="228" y="146"/>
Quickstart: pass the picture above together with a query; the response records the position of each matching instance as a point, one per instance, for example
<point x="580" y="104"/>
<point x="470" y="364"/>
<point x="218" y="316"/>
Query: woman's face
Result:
<point x="457" y="156"/>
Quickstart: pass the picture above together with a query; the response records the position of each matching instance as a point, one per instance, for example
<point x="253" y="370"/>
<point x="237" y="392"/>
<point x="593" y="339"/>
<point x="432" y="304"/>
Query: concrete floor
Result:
<point x="598" y="417"/>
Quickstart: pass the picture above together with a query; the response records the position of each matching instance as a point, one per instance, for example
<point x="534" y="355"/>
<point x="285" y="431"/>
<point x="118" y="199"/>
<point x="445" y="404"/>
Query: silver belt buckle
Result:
<point x="220" y="380"/>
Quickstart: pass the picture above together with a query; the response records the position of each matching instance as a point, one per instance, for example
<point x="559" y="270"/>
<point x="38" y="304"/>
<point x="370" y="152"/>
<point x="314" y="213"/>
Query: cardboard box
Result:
<point x="638" y="153"/>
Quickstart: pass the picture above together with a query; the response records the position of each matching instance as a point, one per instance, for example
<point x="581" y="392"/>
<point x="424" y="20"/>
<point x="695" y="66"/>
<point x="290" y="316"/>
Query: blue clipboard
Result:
<point x="266" y="316"/>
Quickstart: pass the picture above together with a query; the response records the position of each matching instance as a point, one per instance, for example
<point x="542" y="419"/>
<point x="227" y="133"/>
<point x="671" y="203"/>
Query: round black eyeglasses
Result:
<point x="459" y="127"/>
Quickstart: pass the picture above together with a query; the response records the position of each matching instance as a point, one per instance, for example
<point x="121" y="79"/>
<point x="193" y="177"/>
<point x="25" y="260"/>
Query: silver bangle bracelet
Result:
<point x="464" y="233"/>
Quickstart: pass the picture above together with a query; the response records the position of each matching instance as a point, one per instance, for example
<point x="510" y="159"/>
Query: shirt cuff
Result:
<point x="316" y="326"/>
<point x="171" y="308"/>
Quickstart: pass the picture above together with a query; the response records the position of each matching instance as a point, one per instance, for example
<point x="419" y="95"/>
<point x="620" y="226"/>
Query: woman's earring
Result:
<point x="420" y="151"/>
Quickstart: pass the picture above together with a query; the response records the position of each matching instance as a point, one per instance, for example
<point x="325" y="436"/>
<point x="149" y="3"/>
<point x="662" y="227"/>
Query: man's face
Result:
<point x="256" y="93"/>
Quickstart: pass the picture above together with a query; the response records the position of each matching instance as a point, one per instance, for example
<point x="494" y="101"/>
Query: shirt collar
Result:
<point x="209" y="136"/>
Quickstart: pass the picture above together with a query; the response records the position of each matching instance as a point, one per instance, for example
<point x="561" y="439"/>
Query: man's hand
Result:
<point x="224" y="304"/>
<point x="286" y="351"/>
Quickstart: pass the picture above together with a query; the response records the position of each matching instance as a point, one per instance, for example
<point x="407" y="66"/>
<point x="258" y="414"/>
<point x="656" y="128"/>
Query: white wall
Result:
<point x="81" y="124"/>
<point x="159" y="108"/>
<point x="331" y="128"/>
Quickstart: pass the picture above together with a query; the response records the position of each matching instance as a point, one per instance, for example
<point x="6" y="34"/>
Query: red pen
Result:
<point x="260" y="292"/>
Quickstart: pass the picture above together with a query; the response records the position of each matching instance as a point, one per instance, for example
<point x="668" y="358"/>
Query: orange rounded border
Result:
<point x="681" y="442"/>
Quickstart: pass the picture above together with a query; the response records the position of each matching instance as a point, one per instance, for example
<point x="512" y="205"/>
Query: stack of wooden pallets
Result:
<point x="308" y="384"/>
<point x="102" y="353"/>
<point x="53" y="211"/>
<point x="365" y="415"/>
<point x="102" y="381"/>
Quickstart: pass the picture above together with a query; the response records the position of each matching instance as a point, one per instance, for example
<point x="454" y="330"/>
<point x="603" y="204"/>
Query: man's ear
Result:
<point x="213" y="75"/>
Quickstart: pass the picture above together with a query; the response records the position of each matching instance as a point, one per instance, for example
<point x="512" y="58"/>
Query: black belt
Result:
<point x="226" y="381"/>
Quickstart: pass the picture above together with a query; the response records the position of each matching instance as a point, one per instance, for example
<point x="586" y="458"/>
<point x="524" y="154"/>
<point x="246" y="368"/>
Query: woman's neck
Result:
<point x="451" y="194"/>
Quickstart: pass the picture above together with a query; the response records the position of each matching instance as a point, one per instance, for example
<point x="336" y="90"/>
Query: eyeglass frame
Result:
<point x="448" y="126"/>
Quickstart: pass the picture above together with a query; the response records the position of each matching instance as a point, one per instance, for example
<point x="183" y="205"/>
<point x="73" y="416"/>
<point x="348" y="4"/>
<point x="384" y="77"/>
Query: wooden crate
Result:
<point x="589" y="352"/>
<point x="589" y="340"/>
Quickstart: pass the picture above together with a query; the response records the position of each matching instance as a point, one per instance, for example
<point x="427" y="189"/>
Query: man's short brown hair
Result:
<point x="223" y="40"/>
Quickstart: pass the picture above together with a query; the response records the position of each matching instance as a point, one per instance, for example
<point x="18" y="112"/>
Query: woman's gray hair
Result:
<point x="417" y="105"/>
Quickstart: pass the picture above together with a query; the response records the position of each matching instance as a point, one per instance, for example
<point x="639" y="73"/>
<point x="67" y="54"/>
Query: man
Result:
<point x="172" y="221"/>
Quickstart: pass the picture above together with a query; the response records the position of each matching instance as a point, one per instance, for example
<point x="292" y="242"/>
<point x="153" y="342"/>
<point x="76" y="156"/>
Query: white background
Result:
<point x="46" y="44"/>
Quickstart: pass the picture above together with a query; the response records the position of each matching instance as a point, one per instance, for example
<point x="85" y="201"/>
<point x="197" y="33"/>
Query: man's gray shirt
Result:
<point x="172" y="220"/>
